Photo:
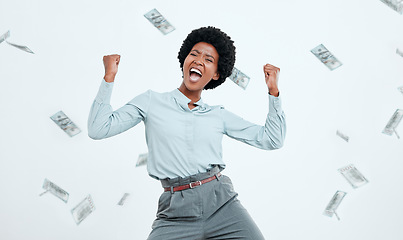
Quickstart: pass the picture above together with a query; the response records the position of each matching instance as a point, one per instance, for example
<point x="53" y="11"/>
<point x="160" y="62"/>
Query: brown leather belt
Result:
<point x="192" y="184"/>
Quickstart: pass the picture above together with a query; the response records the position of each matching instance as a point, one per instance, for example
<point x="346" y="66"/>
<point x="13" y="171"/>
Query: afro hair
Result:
<point x="221" y="42"/>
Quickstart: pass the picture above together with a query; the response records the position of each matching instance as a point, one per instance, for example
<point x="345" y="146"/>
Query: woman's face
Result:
<point x="200" y="66"/>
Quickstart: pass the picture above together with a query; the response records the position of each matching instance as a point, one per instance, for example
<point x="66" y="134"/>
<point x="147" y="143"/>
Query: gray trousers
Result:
<point x="209" y="211"/>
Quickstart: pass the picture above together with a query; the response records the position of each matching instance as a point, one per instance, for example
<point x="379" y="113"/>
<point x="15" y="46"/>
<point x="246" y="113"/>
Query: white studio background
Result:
<point x="285" y="190"/>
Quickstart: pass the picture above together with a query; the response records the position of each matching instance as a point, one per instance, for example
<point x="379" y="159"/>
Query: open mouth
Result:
<point x="195" y="74"/>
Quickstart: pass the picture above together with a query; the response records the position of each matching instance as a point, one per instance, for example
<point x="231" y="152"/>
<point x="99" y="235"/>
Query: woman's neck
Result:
<point x="194" y="96"/>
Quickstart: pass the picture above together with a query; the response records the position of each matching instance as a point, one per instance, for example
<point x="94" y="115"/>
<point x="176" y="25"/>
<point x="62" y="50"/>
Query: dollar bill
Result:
<point x="83" y="209"/>
<point x="326" y="57"/>
<point x="23" y="48"/>
<point x="4" y="36"/>
<point x="398" y="52"/>
<point x="123" y="199"/>
<point x="345" y="137"/>
<point x="353" y="176"/>
<point x="393" y="123"/>
<point x="142" y="160"/>
<point x="239" y="78"/>
<point x="159" y="21"/>
<point x="334" y="204"/>
<point x="55" y="190"/>
<point x="65" y="123"/>
<point x="400" y="89"/>
<point x="396" y="5"/>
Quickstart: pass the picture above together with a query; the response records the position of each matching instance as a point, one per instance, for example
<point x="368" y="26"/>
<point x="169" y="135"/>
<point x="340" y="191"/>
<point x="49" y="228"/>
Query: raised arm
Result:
<point x="270" y="136"/>
<point x="103" y="122"/>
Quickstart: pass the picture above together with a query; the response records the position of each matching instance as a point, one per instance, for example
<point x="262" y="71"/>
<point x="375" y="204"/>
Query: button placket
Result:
<point x="192" y="124"/>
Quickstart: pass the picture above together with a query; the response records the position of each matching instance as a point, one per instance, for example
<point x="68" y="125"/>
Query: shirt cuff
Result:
<point x="104" y="92"/>
<point x="275" y="105"/>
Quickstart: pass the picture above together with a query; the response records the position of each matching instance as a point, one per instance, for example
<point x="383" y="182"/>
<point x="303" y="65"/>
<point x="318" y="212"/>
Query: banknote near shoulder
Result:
<point x="400" y="89"/>
<point x="334" y="204"/>
<point x="23" y="48"/>
<point x="83" y="209"/>
<point x="353" y="176"/>
<point x="239" y="78"/>
<point x="65" y="123"/>
<point x="396" y="5"/>
<point x="398" y="52"/>
<point x="55" y="190"/>
<point x="394" y="121"/>
<point x="142" y="159"/>
<point x="326" y="57"/>
<point x="159" y="21"/>
<point x="4" y="36"/>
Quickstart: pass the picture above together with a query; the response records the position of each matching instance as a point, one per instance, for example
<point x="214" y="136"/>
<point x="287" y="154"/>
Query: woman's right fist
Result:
<point x="111" y="63"/>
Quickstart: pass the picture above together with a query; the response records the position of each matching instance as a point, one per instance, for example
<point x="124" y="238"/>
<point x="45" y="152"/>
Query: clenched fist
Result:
<point x="271" y="75"/>
<point x="111" y="63"/>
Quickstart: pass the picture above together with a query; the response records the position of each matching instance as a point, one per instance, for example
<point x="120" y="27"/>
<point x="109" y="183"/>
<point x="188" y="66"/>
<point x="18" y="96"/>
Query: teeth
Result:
<point x="195" y="70"/>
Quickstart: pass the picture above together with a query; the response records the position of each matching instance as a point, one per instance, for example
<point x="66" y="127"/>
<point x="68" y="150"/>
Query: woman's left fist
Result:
<point x="271" y="76"/>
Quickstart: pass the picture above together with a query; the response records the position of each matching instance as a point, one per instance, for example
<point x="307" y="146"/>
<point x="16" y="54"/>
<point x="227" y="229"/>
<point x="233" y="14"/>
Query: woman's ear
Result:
<point x="216" y="76"/>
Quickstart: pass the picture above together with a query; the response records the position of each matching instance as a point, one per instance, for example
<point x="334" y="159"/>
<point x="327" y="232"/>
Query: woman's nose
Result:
<point x="197" y="62"/>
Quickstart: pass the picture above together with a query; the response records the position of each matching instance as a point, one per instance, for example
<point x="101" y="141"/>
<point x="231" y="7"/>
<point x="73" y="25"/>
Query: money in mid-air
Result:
<point x="334" y="204"/>
<point x="55" y="190"/>
<point x="345" y="137"/>
<point x="400" y="89"/>
<point x="353" y="176"/>
<point x="398" y="52"/>
<point x="123" y="199"/>
<point x="326" y="57"/>
<point x="393" y="123"/>
<point x="142" y="160"/>
<point x="7" y="35"/>
<point x="83" y="209"/>
<point x="159" y="21"/>
<point x="396" y="5"/>
<point x="4" y="36"/>
<point x="239" y="78"/>
<point x="23" y="48"/>
<point x="65" y="123"/>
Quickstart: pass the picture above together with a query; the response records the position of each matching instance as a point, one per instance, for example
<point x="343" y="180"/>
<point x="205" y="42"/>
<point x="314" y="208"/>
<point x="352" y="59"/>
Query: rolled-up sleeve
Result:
<point x="103" y="122"/>
<point x="269" y="137"/>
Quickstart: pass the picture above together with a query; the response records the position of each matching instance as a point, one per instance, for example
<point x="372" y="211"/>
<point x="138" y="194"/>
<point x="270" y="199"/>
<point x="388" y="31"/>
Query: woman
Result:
<point x="184" y="137"/>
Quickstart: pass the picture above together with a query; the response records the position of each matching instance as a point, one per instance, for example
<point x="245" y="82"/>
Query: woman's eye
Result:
<point x="209" y="60"/>
<point x="193" y="54"/>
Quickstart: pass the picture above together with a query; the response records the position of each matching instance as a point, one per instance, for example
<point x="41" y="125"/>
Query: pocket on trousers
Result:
<point x="186" y="204"/>
<point x="217" y="195"/>
<point x="226" y="184"/>
<point x="163" y="203"/>
<point x="223" y="192"/>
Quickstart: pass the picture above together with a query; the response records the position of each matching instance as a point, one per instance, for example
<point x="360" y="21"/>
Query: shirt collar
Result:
<point x="183" y="101"/>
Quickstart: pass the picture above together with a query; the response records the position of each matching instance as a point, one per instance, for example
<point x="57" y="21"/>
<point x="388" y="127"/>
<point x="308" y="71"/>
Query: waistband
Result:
<point x="178" y="181"/>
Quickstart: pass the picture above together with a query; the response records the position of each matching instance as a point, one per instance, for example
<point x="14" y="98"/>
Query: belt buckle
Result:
<point x="190" y="184"/>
